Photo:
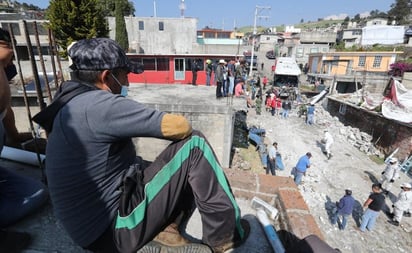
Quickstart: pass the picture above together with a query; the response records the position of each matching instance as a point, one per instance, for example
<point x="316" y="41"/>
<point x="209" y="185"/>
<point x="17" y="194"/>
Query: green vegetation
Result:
<point x="252" y="156"/>
<point x="75" y="20"/>
<point x="377" y="160"/>
<point x="121" y="32"/>
<point x="319" y="24"/>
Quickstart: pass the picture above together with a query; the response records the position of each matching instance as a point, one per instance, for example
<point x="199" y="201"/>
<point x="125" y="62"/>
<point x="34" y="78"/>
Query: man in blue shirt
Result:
<point x="301" y="167"/>
<point x="344" y="208"/>
<point x="271" y="164"/>
<point x="310" y="115"/>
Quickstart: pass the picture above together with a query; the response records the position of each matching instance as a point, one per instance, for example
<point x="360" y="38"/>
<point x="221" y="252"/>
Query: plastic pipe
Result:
<point x="270" y="232"/>
<point x="21" y="156"/>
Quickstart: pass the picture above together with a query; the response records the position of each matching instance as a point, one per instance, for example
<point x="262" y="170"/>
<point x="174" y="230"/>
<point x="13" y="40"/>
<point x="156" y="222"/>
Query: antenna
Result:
<point x="154" y="9"/>
<point x="182" y="8"/>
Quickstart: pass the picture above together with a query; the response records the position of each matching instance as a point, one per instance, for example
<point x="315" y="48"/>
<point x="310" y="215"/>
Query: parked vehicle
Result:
<point x="248" y="60"/>
<point x="286" y="76"/>
<point x="287" y="72"/>
<point x="270" y="55"/>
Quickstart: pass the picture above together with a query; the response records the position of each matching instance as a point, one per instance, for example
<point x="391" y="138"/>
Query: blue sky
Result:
<point x="229" y="13"/>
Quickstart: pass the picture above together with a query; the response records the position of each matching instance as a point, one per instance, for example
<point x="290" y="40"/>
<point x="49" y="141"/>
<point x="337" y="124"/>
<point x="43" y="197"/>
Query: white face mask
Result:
<point x="124" y="90"/>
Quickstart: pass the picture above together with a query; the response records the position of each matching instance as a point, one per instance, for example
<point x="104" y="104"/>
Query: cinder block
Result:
<point x="241" y="179"/>
<point x="303" y="225"/>
<point x="292" y="199"/>
<point x="272" y="184"/>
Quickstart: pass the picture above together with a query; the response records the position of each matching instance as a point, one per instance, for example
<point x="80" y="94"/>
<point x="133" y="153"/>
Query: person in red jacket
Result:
<point x="264" y="81"/>
<point x="278" y="105"/>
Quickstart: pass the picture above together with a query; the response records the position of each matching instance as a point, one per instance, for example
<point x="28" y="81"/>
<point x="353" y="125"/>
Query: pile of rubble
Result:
<point x="358" y="139"/>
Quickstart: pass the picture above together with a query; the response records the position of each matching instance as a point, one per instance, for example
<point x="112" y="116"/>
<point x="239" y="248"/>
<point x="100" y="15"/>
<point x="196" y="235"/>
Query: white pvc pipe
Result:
<point x="271" y="211"/>
<point x="21" y="156"/>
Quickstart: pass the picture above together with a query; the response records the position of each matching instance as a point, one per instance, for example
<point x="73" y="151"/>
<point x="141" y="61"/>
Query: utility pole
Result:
<point x="258" y="9"/>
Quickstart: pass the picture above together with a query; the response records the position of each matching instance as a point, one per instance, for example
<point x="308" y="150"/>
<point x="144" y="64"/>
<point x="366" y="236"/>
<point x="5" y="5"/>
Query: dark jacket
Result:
<point x="345" y="205"/>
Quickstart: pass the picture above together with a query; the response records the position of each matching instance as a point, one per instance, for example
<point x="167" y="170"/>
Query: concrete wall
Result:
<point x="216" y="123"/>
<point x="318" y="37"/>
<point x="387" y="134"/>
<point x="178" y="35"/>
<point x="214" y="117"/>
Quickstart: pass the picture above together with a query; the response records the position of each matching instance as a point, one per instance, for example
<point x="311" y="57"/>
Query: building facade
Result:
<point x="350" y="71"/>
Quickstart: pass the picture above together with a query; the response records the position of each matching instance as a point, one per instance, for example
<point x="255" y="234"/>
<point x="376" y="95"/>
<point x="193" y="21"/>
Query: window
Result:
<point x="209" y="35"/>
<point x="314" y="50"/>
<point x="299" y="52"/>
<point x="377" y="61"/>
<point x="362" y="60"/>
<point x="223" y="35"/>
<point x="141" y="25"/>
<point x="161" y="26"/>
<point x="40" y="28"/>
<point x="14" y="26"/>
<point x="335" y="61"/>
<point x="162" y="64"/>
<point x="189" y="64"/>
<point x="149" y="63"/>
<point x="357" y="32"/>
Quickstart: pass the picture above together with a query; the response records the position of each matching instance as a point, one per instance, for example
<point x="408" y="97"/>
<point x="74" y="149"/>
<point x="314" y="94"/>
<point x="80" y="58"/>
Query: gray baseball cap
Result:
<point x="101" y="54"/>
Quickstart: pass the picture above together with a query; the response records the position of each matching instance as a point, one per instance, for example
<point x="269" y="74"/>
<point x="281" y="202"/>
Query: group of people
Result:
<point x="376" y="200"/>
<point x="229" y="77"/>
<point x="107" y="198"/>
<point x="277" y="106"/>
<point x="344" y="207"/>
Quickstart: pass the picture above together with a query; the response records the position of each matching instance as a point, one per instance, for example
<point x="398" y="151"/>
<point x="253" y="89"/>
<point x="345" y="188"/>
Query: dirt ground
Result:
<point x="326" y="180"/>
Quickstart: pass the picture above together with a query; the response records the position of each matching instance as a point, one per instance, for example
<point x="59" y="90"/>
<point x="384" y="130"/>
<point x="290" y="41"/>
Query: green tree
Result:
<point x="121" y="32"/>
<point x="345" y="22"/>
<point x="75" y="20"/>
<point x="400" y="11"/>
<point x="109" y="7"/>
<point x="356" y="18"/>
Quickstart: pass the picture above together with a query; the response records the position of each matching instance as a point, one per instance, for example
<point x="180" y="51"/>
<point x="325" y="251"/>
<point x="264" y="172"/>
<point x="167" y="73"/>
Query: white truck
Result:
<point x="287" y="72"/>
<point x="286" y="77"/>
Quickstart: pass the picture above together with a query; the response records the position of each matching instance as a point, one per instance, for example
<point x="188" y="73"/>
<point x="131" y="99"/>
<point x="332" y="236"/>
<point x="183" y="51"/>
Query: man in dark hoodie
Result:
<point x="107" y="198"/>
<point x="344" y="209"/>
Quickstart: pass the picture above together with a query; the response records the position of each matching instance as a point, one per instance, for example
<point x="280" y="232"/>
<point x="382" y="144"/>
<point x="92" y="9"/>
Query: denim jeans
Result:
<point x="19" y="196"/>
<point x="271" y="166"/>
<point x="231" y="85"/>
<point x="285" y="113"/>
<point x="208" y="78"/>
<point x="344" y="219"/>
<point x="224" y="87"/>
<point x="298" y="177"/>
<point x="310" y="120"/>
<point x="368" y="220"/>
